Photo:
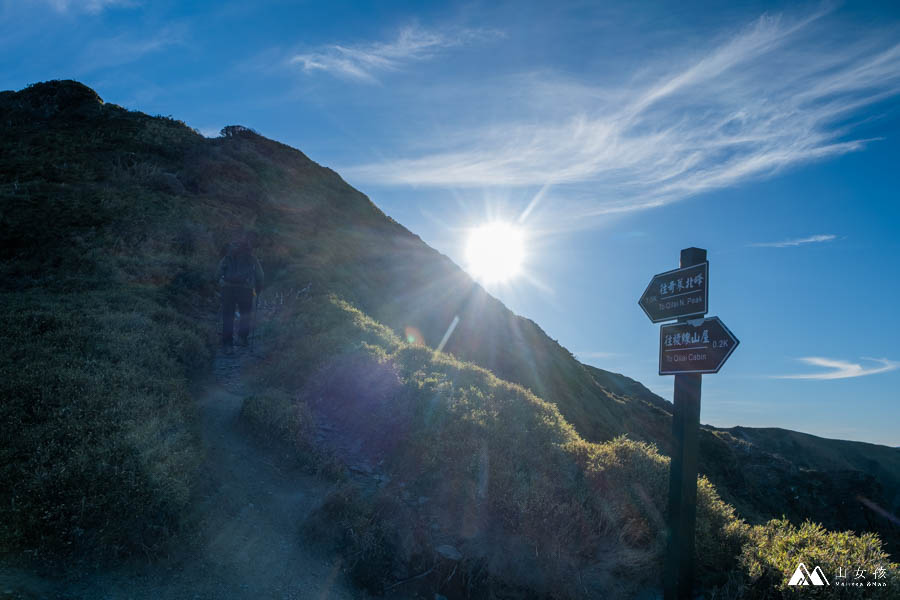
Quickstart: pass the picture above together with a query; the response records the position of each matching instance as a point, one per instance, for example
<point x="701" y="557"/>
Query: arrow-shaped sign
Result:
<point x="677" y="293"/>
<point x="697" y="346"/>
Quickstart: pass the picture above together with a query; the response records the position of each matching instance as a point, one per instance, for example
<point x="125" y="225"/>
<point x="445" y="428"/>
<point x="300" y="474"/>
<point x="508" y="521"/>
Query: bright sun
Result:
<point x="495" y="252"/>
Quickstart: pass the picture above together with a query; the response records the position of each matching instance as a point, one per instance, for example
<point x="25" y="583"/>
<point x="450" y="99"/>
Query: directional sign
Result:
<point x="697" y="346"/>
<point x="678" y="293"/>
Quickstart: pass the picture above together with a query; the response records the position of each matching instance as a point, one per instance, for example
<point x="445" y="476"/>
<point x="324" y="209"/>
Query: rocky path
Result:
<point x="249" y="514"/>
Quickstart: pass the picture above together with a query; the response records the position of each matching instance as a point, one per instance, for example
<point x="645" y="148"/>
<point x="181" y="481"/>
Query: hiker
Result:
<point x="241" y="278"/>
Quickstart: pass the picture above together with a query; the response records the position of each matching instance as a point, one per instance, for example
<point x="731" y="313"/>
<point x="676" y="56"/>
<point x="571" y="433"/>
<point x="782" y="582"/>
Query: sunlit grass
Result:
<point x="498" y="463"/>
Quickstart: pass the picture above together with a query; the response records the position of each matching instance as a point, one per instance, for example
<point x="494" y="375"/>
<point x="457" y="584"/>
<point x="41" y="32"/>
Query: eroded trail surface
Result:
<point x="249" y="515"/>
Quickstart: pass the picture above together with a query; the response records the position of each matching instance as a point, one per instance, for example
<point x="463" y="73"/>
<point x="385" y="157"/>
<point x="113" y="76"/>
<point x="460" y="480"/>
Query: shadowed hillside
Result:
<point x="111" y="225"/>
<point x="851" y="485"/>
<point x="768" y="473"/>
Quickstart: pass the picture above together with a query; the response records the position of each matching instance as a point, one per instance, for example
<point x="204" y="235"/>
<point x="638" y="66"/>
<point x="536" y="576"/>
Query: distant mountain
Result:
<point x="111" y="223"/>
<point x="769" y="471"/>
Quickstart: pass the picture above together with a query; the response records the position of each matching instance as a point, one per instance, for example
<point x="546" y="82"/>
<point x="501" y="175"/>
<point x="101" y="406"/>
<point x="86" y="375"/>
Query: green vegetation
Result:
<point x="274" y="415"/>
<point x="275" y="419"/>
<point x="100" y="338"/>
<point x="527" y="501"/>
<point x="774" y="550"/>
<point x="95" y="389"/>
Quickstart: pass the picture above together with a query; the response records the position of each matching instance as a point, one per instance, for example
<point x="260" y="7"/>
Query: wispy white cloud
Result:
<point x="88" y="6"/>
<point x="841" y="369"/>
<point x="813" y="239"/>
<point x="777" y="93"/>
<point x="126" y="48"/>
<point x="364" y="62"/>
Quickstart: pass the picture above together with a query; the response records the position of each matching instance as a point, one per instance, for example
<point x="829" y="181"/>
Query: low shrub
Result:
<point x="854" y="566"/>
<point x="274" y="415"/>
<point x="349" y="523"/>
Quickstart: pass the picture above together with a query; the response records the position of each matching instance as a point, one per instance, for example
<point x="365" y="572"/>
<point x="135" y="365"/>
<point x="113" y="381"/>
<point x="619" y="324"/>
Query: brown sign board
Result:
<point x="696" y="346"/>
<point x="678" y="293"/>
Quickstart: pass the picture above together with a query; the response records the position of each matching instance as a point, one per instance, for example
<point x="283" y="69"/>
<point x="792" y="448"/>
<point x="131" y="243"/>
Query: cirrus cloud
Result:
<point x="125" y="48"/>
<point x="88" y="6"/>
<point x="363" y="62"/>
<point x="841" y="369"/>
<point x="707" y="120"/>
<point x="821" y="237"/>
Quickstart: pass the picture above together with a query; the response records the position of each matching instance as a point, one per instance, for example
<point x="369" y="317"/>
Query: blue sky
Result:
<point x="612" y="135"/>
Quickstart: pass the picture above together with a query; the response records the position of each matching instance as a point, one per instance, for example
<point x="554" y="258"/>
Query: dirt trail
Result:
<point x="248" y="516"/>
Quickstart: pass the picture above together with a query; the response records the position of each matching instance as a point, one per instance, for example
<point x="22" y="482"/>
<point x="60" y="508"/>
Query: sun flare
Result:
<point x="495" y="252"/>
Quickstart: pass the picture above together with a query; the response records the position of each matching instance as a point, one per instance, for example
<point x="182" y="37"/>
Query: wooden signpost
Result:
<point x="677" y="293"/>
<point x="695" y="346"/>
<point x="688" y="348"/>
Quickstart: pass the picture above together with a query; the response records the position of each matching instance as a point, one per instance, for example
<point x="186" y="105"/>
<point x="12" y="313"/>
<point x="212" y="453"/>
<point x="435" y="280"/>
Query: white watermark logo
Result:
<point x="854" y="576"/>
<point x="802" y="576"/>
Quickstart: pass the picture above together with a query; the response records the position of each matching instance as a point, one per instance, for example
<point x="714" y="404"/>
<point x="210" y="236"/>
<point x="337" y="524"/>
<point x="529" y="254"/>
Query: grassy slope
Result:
<point x="508" y="481"/>
<point x="97" y="292"/>
<point x="110" y="223"/>
<point x="482" y="464"/>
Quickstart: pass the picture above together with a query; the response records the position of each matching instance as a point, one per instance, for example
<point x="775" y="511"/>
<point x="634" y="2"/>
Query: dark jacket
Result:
<point x="236" y="260"/>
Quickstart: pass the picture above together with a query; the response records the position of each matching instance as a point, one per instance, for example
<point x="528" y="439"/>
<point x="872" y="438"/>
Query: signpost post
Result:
<point x="688" y="348"/>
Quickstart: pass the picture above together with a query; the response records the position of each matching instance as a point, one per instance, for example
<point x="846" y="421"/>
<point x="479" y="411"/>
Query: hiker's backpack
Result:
<point x="239" y="270"/>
